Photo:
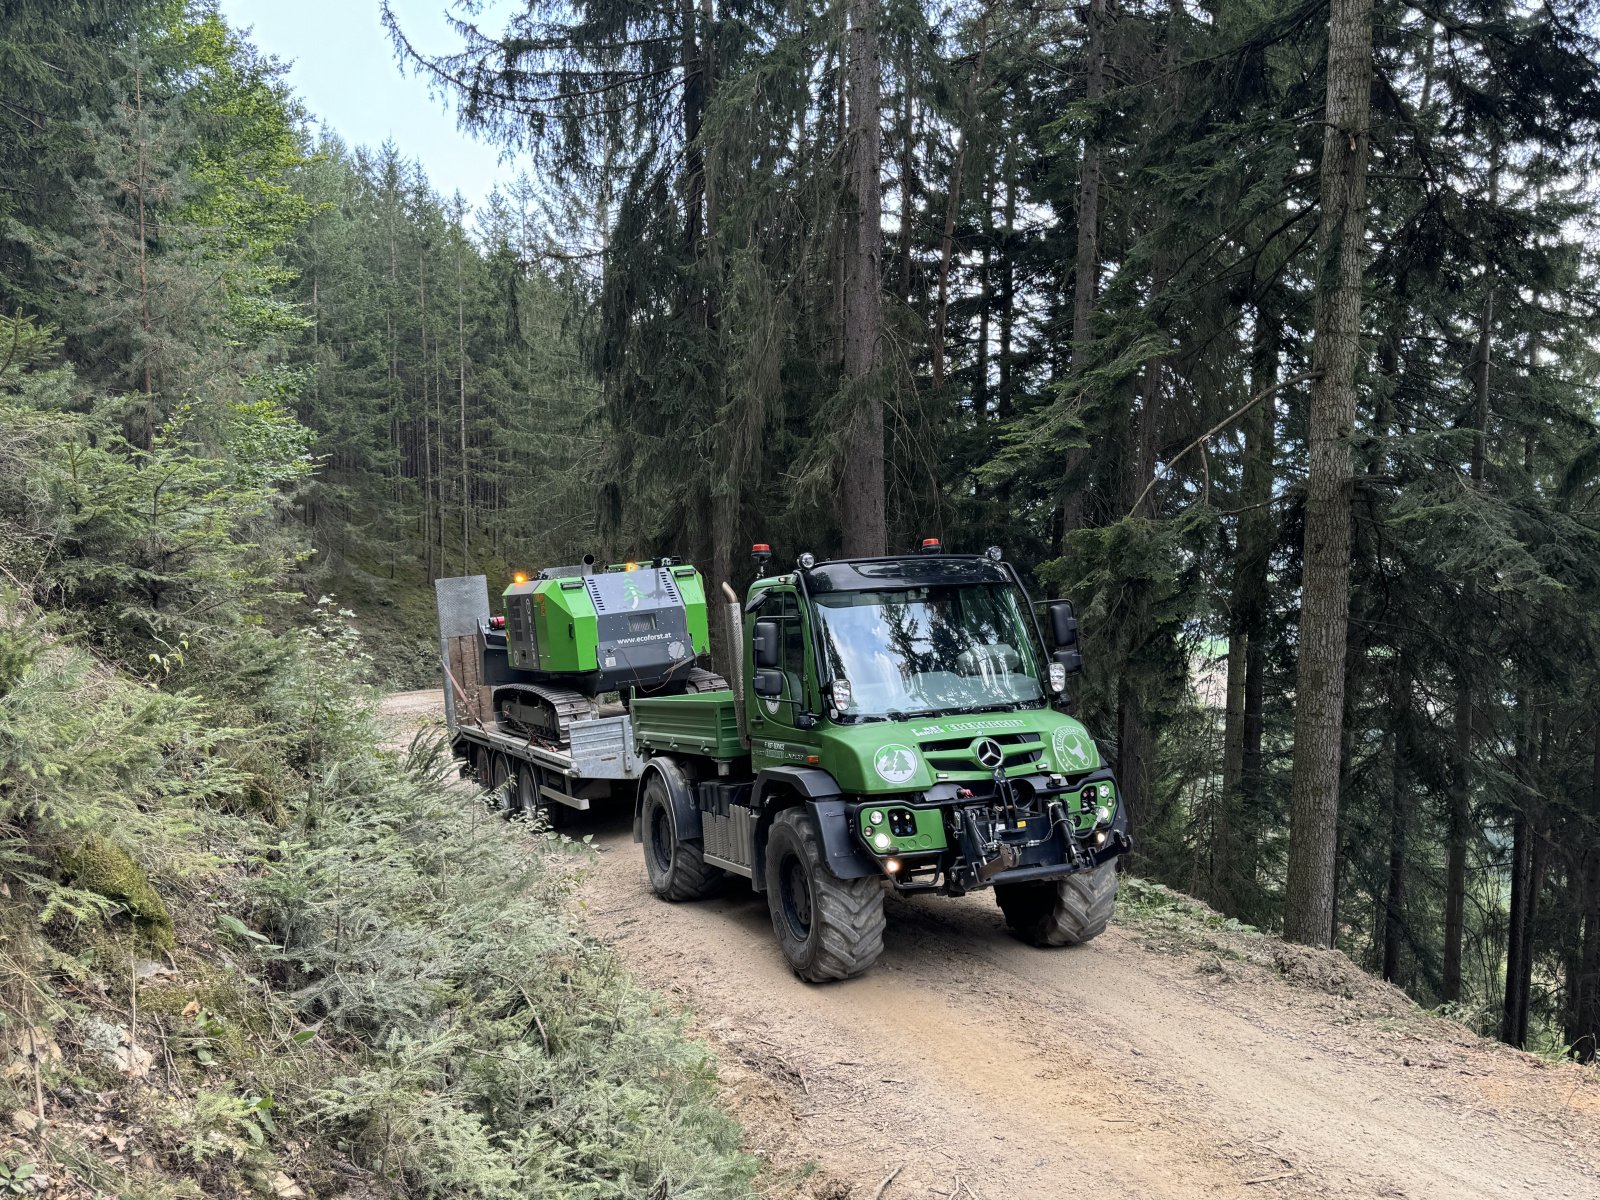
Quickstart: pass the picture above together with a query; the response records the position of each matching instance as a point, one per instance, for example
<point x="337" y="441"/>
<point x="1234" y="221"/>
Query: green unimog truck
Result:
<point x="898" y="726"/>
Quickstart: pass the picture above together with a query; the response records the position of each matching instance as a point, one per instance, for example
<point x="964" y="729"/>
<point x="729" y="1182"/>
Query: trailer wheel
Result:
<point x="525" y="800"/>
<point x="677" y="866"/>
<point x="482" y="766"/>
<point x="529" y="800"/>
<point x="828" y="928"/>
<point x="501" y="798"/>
<point x="1061" y="912"/>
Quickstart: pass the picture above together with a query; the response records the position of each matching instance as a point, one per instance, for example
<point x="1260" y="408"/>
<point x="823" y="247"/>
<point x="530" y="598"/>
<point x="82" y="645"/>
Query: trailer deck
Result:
<point x="602" y="752"/>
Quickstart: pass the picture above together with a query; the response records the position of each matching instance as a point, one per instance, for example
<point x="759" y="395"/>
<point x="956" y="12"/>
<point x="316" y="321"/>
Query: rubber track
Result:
<point x="561" y="706"/>
<point x="701" y="680"/>
<point x="850" y="912"/>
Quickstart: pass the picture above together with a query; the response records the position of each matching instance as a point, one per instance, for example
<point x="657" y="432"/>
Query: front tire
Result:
<point x="828" y="928"/>
<point x="676" y="865"/>
<point x="1061" y="912"/>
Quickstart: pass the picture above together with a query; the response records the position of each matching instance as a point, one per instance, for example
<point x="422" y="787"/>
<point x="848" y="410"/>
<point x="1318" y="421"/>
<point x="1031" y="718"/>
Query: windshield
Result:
<point x="928" y="650"/>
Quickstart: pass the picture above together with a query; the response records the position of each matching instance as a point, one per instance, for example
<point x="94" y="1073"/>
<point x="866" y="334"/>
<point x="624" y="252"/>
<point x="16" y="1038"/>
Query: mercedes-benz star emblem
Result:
<point x="989" y="752"/>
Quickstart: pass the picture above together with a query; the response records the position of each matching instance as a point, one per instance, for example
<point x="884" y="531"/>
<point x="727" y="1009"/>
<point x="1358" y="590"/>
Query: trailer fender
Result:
<point x="685" y="816"/>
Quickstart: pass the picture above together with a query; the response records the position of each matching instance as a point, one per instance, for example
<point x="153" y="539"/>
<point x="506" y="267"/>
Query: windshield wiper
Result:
<point x="894" y="714"/>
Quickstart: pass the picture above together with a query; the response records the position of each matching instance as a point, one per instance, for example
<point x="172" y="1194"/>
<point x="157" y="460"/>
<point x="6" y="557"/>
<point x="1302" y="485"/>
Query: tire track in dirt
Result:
<point x="1038" y="1074"/>
<point x="1140" y="1063"/>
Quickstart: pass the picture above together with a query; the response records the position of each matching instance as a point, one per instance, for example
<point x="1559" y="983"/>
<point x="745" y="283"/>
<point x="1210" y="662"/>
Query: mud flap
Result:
<point x="685" y="816"/>
<point x="840" y="852"/>
<point x="845" y="857"/>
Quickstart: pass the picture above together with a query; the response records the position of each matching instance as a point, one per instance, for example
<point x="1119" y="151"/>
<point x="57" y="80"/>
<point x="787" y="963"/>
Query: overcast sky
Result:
<point x="343" y="67"/>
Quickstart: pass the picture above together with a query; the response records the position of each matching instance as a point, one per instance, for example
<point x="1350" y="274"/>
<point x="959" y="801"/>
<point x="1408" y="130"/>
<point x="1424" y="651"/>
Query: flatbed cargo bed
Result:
<point x="699" y="723"/>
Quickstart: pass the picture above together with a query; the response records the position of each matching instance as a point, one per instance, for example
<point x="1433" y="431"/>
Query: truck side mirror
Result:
<point x="1063" y="624"/>
<point x="768" y="684"/>
<point x="764" y="645"/>
<point x="1071" y="660"/>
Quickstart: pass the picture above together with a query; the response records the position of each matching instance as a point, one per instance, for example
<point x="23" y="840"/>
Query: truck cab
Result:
<point x="902" y="731"/>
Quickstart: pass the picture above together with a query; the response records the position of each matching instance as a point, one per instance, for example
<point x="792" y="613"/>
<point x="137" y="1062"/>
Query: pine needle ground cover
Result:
<point x="287" y="963"/>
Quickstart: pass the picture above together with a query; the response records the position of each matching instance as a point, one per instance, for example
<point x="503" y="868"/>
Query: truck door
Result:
<point x="775" y="736"/>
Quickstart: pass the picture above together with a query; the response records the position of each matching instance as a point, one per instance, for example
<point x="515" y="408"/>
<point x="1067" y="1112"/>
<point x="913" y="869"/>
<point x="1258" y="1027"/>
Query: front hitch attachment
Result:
<point x="1006" y="856"/>
<point x="985" y="859"/>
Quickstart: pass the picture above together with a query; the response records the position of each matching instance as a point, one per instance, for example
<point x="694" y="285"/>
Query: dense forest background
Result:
<point x="1165" y="299"/>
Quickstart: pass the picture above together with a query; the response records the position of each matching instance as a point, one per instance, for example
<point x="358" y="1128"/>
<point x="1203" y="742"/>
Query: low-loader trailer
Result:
<point x="898" y="724"/>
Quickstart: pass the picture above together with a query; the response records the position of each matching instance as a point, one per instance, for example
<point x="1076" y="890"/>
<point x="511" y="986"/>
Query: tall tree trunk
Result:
<point x="952" y="208"/>
<point x="694" y="104"/>
<point x="1086" y="257"/>
<point x="1325" y="596"/>
<point x="1513" y="1013"/>
<point x="1455" y="903"/>
<point x="862" y="519"/>
<point x="1234" y="859"/>
<point x="1584" y="1032"/>
<point x="146" y="323"/>
<point x="1399" y="817"/>
<point x="908" y="141"/>
<point x="461" y="383"/>
<point x="1008" y="285"/>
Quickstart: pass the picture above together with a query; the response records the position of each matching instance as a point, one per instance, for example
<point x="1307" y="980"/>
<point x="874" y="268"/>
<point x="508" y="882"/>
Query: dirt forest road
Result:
<point x="1169" y="1058"/>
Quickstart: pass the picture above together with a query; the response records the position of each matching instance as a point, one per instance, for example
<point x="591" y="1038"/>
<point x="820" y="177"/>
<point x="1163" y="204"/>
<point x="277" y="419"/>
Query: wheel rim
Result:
<point x="661" y="837"/>
<point x="794" y="886"/>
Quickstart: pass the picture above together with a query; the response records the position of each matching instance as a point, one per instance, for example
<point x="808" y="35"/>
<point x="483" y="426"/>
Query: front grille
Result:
<point x="956" y="754"/>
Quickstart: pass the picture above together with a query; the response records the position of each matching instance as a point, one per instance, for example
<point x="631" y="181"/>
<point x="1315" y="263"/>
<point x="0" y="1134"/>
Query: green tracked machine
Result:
<point x="899" y="725"/>
<point x="573" y="634"/>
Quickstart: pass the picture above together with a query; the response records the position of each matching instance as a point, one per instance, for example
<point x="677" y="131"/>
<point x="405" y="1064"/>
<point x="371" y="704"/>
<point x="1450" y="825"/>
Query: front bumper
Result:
<point x="992" y="839"/>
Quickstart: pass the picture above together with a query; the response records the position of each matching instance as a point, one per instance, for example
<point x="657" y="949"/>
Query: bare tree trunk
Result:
<point x="1584" y="1032"/>
<point x="863" y="522"/>
<point x="1008" y="286"/>
<point x="1325" y="594"/>
<point x="952" y="208"/>
<point x="1399" y="816"/>
<point x="908" y="141"/>
<point x="145" y="321"/>
<point x="1086" y="259"/>
<point x="1455" y="906"/>
<point x="461" y="383"/>
<point x="1233" y="862"/>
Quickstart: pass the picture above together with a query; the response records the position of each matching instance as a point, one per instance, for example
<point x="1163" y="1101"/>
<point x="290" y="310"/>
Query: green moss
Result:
<point x="99" y="866"/>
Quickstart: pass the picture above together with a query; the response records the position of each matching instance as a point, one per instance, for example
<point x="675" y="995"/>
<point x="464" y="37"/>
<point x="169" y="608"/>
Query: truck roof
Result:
<point x="907" y="571"/>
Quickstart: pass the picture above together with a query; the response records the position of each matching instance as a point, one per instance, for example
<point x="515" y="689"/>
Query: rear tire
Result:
<point x="1061" y="912"/>
<point x="828" y="928"/>
<point x="676" y="865"/>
